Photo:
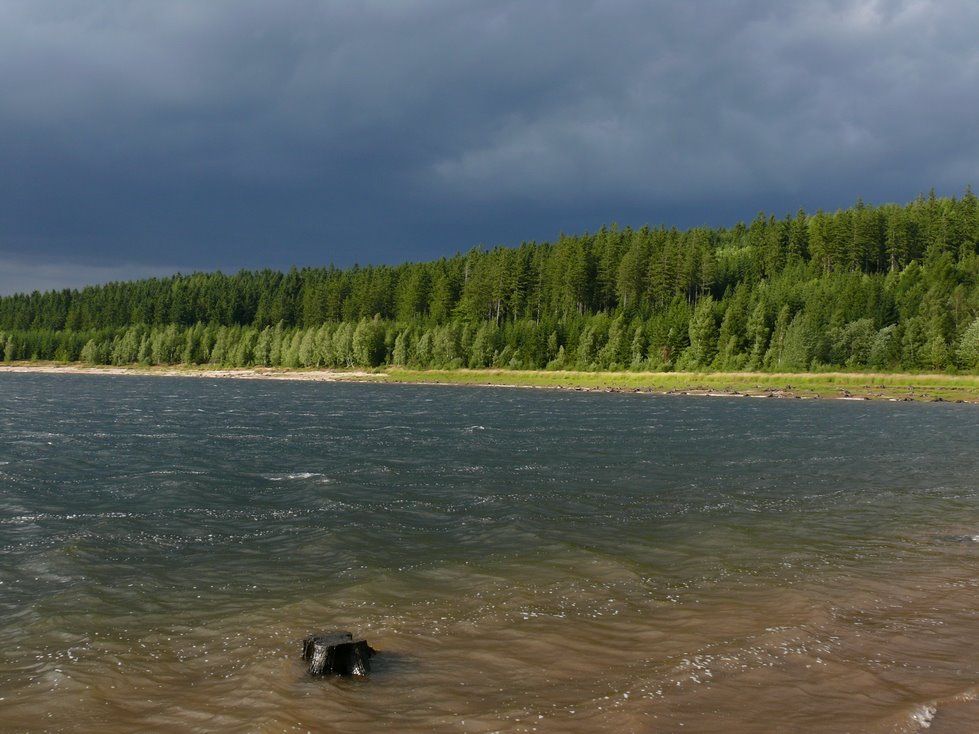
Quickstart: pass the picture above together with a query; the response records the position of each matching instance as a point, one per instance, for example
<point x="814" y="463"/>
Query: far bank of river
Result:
<point x="829" y="385"/>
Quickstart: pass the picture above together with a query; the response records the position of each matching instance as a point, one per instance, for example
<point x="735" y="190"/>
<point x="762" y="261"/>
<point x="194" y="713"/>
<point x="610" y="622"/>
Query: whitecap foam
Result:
<point x="923" y="715"/>
<point x="967" y="696"/>
<point x="293" y="476"/>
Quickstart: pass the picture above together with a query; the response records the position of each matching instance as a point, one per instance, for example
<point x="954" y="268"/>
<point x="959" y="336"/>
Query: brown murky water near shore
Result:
<point x="522" y="561"/>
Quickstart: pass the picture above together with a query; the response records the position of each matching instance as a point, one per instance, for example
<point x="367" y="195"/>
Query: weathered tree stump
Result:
<point x="337" y="653"/>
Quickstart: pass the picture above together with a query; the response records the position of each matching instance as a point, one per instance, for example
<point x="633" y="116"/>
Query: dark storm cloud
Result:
<point x="188" y="135"/>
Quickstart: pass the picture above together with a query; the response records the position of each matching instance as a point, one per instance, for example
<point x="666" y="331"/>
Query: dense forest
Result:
<point x="869" y="287"/>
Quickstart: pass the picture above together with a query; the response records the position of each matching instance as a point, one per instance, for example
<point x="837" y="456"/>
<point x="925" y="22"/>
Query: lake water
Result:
<point x="523" y="560"/>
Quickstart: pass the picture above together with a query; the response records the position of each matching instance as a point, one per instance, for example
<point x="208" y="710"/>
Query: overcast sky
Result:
<point x="143" y="138"/>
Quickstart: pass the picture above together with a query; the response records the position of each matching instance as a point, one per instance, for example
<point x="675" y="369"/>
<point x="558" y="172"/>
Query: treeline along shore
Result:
<point x="886" y="288"/>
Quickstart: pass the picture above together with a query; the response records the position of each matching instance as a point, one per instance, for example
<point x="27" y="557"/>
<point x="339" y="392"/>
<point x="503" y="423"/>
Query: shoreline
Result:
<point x="234" y="373"/>
<point x="895" y="387"/>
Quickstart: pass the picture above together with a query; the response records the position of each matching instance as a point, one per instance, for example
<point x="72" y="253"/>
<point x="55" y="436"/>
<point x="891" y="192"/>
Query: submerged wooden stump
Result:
<point x="337" y="653"/>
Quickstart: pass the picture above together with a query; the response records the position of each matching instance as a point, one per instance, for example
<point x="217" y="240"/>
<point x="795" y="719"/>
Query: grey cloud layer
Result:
<point x="251" y="133"/>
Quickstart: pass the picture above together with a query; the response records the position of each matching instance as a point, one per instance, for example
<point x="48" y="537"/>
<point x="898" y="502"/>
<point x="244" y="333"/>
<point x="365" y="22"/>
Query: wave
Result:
<point x="957" y="712"/>
<point x="292" y="476"/>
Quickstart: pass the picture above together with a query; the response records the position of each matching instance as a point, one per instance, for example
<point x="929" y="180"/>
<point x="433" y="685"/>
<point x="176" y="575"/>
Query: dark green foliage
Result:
<point x="886" y="288"/>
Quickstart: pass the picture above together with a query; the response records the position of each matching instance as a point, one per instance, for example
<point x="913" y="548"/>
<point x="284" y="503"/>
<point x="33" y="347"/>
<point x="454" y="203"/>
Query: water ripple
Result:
<point x="523" y="559"/>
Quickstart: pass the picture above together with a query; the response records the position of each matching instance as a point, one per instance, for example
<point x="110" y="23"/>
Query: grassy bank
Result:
<point x="840" y="385"/>
<point x="802" y="385"/>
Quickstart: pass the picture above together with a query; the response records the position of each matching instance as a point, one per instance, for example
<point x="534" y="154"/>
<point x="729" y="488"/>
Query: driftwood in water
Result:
<point x="337" y="653"/>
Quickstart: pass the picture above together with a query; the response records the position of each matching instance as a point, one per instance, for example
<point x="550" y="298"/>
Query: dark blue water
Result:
<point x="524" y="559"/>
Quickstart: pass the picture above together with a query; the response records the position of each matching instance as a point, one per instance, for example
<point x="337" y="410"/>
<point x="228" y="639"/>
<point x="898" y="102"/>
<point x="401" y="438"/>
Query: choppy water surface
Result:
<point x="524" y="560"/>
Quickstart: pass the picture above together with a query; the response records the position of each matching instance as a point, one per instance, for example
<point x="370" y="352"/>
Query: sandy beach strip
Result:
<point x="244" y="373"/>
